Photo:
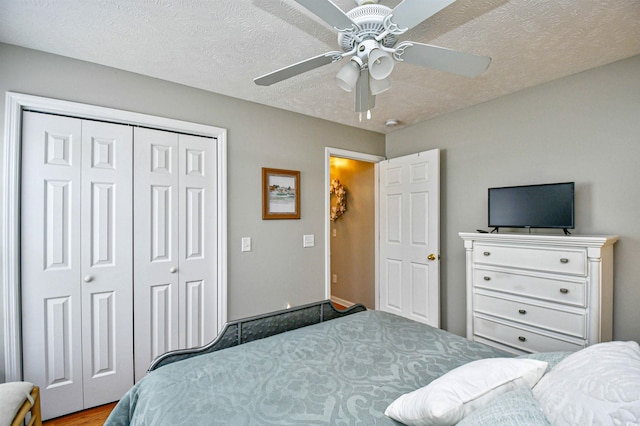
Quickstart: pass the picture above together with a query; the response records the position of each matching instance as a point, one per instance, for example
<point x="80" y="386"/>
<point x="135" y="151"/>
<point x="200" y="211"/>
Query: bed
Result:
<point x="295" y="368"/>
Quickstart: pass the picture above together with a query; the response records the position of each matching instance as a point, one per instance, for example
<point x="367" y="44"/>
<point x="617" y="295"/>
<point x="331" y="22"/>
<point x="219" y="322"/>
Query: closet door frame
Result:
<point x="10" y="212"/>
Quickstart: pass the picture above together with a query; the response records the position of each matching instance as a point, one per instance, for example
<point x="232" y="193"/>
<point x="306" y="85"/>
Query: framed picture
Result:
<point x="280" y="194"/>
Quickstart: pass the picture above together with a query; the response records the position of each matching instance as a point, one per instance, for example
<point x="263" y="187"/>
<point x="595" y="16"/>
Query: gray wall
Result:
<point x="583" y="128"/>
<point x="258" y="136"/>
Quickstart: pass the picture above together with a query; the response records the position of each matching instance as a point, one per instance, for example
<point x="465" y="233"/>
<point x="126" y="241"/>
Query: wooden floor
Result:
<point x="92" y="417"/>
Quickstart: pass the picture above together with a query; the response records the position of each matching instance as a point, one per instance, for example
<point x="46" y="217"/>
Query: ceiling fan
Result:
<point x="369" y="33"/>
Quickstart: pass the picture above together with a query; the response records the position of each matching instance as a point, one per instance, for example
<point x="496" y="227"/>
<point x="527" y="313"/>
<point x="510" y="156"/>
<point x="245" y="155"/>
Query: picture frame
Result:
<point x="280" y="194"/>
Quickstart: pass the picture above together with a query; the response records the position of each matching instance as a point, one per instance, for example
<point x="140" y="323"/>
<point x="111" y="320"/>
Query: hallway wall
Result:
<point x="353" y="246"/>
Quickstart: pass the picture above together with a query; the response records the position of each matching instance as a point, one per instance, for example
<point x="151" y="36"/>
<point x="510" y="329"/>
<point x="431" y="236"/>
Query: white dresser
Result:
<point x="537" y="293"/>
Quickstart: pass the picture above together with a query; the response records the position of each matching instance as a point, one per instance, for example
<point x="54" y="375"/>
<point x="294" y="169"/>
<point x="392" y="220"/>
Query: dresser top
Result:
<point x="560" y="240"/>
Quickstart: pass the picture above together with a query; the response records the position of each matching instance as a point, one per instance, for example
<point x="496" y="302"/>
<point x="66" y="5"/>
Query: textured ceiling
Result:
<point x="221" y="45"/>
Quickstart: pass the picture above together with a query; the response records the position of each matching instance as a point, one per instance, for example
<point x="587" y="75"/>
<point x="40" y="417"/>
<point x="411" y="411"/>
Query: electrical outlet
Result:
<point x="334" y="278"/>
<point x="334" y="232"/>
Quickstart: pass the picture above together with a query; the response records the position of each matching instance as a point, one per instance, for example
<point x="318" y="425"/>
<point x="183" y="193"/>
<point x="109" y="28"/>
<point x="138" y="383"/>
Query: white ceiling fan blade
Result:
<point x="297" y="68"/>
<point x="330" y="13"/>
<point x="410" y="13"/>
<point x="441" y="58"/>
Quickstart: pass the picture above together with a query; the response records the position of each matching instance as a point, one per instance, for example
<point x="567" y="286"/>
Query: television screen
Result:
<point x="532" y="206"/>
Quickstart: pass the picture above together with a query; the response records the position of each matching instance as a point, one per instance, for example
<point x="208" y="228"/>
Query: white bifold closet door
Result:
<point x="175" y="275"/>
<point x="76" y="254"/>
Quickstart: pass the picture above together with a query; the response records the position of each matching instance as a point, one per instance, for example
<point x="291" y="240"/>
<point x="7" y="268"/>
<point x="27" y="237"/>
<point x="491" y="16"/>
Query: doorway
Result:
<point x="351" y="239"/>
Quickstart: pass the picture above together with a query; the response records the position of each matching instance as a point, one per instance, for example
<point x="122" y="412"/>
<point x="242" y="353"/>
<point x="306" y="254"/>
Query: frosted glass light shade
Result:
<point x="348" y="76"/>
<point x="379" y="86"/>
<point x="380" y="64"/>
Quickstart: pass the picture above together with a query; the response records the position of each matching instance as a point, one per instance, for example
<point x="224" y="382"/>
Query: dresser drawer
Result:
<point x="564" y="261"/>
<point x="540" y="287"/>
<point x="565" y="322"/>
<point x="521" y="338"/>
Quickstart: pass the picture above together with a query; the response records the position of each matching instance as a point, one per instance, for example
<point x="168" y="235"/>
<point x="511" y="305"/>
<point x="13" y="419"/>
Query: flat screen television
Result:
<point x="532" y="206"/>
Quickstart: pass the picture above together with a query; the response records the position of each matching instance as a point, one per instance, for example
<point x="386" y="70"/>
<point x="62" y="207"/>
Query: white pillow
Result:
<point x="596" y="385"/>
<point x="449" y="398"/>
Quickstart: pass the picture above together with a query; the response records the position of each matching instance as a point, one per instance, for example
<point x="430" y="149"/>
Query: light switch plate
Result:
<point x="308" y="241"/>
<point x="246" y="243"/>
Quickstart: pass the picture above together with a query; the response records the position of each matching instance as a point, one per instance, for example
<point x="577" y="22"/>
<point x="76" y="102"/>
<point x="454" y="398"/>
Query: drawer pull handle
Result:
<point x="487" y="278"/>
<point x="564" y="260"/>
<point x="522" y="338"/>
<point x="564" y="290"/>
<point x="522" y="311"/>
<point x="487" y="253"/>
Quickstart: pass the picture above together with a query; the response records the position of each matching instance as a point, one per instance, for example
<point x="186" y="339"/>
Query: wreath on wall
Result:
<point x="341" y="199"/>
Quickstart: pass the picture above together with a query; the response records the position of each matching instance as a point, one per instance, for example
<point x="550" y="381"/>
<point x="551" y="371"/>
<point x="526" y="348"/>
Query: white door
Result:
<point x="197" y="267"/>
<point x="409" y="236"/>
<point x="76" y="261"/>
<point x="175" y="289"/>
<point x="155" y="251"/>
<point x="106" y="261"/>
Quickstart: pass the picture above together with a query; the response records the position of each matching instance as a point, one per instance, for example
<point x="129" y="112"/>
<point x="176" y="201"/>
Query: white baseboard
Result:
<point x="342" y="302"/>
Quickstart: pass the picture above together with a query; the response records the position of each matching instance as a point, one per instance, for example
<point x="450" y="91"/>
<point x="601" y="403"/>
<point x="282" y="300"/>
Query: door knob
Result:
<point x="88" y="278"/>
<point x="173" y="269"/>
<point x="431" y="257"/>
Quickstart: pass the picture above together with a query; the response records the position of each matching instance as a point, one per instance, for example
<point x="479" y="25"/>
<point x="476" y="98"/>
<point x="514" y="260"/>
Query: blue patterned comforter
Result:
<point x="341" y="372"/>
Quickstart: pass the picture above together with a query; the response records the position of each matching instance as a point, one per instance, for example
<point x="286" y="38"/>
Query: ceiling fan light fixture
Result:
<point x="379" y="86"/>
<point x="348" y="75"/>
<point x="380" y="64"/>
<point x="369" y="33"/>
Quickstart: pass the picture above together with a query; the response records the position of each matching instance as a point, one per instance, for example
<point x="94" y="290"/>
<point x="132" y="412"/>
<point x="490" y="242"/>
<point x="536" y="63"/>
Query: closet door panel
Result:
<point x="50" y="256"/>
<point x="161" y="305"/>
<point x="194" y="314"/>
<point x="107" y="261"/>
<point x="155" y="245"/>
<point x="198" y="237"/>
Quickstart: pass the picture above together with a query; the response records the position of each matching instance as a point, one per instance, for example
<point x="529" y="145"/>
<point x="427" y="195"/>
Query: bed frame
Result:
<point x="246" y="330"/>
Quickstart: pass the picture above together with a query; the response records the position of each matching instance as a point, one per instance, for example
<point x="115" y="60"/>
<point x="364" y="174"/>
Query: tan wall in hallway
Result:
<point x="353" y="247"/>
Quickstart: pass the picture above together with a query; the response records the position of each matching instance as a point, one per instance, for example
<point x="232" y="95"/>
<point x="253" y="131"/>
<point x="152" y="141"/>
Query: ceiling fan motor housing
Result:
<point x="370" y="18"/>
